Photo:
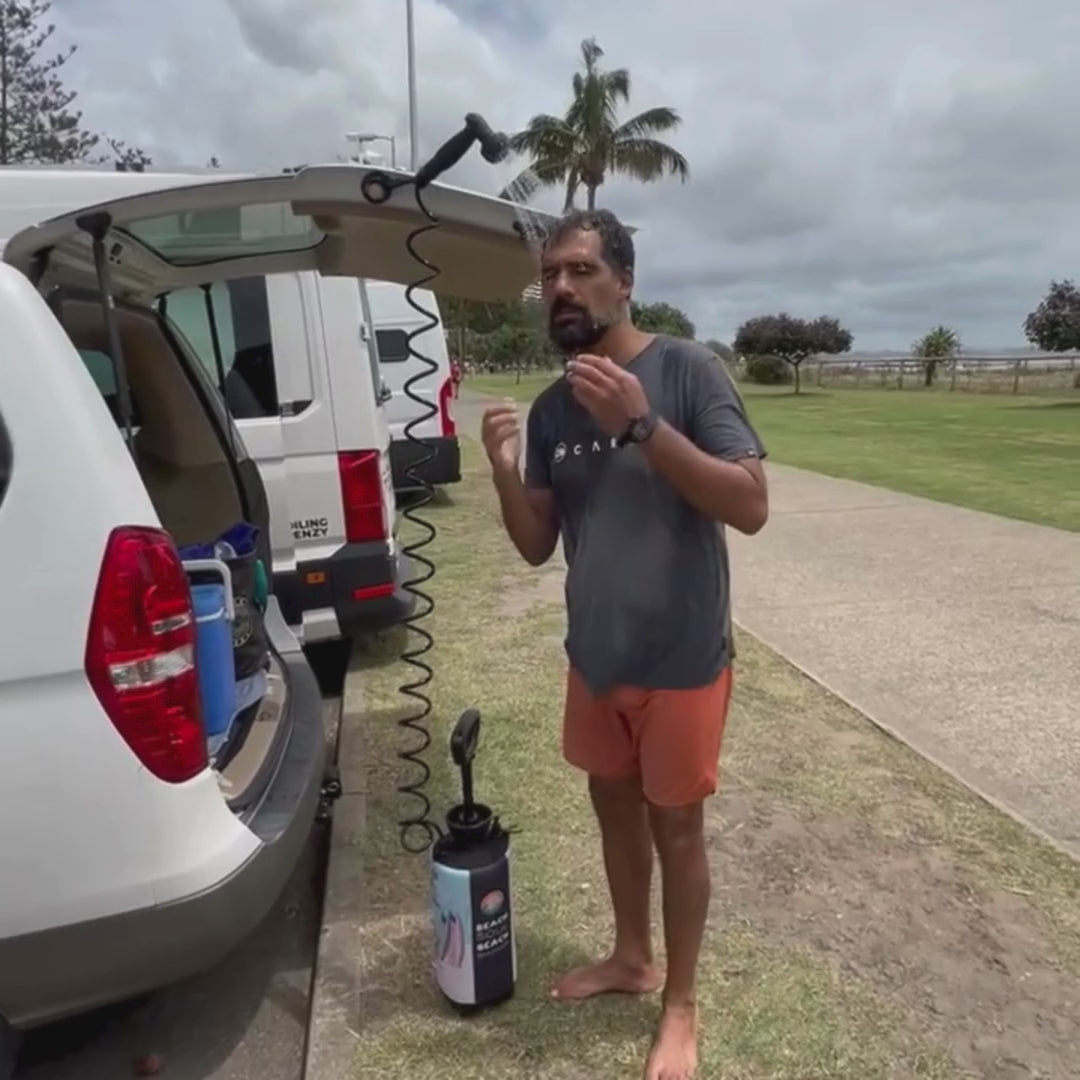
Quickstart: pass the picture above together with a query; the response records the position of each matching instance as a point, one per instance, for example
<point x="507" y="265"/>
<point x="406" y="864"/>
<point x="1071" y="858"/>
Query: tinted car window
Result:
<point x="242" y="318"/>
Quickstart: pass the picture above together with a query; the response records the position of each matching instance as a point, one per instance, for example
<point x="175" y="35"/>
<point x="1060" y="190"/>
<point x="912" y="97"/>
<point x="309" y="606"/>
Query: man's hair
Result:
<point x="616" y="243"/>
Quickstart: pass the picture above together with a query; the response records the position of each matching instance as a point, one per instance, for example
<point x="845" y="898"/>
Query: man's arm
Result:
<point x="718" y="467"/>
<point x="528" y="515"/>
<point x="528" y="507"/>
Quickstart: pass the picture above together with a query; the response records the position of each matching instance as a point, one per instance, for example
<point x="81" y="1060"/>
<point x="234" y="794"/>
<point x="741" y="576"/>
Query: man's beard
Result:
<point x="577" y="334"/>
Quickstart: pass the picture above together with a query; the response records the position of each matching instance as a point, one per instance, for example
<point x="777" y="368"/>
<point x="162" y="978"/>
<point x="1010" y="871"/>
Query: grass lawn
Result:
<point x="1015" y="456"/>
<point x="871" y="919"/>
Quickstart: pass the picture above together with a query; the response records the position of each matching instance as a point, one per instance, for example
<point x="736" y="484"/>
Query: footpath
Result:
<point x="955" y="630"/>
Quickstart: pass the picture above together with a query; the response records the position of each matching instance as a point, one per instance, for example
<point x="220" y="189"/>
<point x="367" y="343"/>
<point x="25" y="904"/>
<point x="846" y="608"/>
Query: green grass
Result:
<point x="1015" y="456"/>
<point x="843" y="865"/>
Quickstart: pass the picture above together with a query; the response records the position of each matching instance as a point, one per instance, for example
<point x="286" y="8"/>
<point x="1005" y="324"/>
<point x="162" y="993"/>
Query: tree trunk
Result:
<point x="929" y="370"/>
<point x="592" y="197"/>
<point x="797" y="365"/>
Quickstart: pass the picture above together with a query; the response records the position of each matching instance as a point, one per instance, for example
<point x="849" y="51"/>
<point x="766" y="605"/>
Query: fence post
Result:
<point x="952" y="373"/>
<point x="1016" y="377"/>
<point x="858" y="373"/>
<point x="900" y="365"/>
<point x="820" y="369"/>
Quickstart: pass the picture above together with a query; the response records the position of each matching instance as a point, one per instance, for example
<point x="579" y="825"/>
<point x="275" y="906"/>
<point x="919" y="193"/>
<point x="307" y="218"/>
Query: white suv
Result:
<point x="133" y="850"/>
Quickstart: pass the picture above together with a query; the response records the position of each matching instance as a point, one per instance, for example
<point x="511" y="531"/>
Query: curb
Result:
<point x="333" y="1041"/>
<point x="1071" y="853"/>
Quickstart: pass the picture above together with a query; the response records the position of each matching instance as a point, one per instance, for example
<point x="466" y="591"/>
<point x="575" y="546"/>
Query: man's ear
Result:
<point x="627" y="286"/>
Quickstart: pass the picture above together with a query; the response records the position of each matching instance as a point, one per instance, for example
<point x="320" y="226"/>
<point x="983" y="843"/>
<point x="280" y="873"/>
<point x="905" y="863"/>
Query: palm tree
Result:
<point x="583" y="147"/>
<point x="932" y="348"/>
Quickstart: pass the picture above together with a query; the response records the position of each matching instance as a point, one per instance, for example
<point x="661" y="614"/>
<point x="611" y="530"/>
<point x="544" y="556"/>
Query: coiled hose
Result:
<point x="418" y="830"/>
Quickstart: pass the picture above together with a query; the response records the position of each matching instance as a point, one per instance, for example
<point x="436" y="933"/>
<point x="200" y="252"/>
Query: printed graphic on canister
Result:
<point x="492" y="903"/>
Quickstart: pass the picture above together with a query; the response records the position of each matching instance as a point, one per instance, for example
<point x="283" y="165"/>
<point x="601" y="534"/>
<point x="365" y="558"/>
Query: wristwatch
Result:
<point x="639" y="430"/>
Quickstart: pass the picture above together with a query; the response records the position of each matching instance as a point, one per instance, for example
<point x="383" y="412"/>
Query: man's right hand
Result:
<point x="501" y="435"/>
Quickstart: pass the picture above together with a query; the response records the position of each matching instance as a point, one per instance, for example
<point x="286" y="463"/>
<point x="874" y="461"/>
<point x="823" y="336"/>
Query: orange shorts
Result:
<point x="669" y="738"/>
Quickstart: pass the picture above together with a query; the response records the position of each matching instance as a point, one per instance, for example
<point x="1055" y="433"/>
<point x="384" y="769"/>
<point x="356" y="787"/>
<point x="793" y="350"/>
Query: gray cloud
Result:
<point x="895" y="167"/>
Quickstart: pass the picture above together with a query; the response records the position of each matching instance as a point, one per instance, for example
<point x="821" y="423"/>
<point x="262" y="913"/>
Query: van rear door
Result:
<point x="317" y="219"/>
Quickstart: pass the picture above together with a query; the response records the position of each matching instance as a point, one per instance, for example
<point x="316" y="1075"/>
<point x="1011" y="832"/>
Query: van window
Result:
<point x="102" y="371"/>
<point x="242" y="317"/>
<point x="393" y="346"/>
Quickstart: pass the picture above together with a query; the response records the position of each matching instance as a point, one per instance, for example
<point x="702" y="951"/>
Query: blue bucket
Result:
<point x="214" y="657"/>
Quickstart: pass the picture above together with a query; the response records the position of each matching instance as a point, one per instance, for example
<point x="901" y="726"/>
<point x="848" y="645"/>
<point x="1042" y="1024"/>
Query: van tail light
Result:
<point x="446" y="411"/>
<point x="362" y="495"/>
<point x="140" y="653"/>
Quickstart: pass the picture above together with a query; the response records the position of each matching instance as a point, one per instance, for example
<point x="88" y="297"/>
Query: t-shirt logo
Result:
<point x="597" y="446"/>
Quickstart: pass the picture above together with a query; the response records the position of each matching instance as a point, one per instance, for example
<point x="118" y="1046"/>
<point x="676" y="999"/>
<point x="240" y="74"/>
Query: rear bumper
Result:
<point x="443" y="468"/>
<point x="71" y="969"/>
<point x="363" y="584"/>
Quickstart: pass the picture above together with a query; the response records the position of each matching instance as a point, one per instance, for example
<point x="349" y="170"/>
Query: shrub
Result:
<point x="768" y="370"/>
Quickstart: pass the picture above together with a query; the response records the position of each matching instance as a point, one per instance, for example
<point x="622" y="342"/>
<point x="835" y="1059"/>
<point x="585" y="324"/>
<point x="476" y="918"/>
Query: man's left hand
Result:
<point x="612" y="395"/>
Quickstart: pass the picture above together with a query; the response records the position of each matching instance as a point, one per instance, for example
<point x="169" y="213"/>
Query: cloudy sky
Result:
<point x="888" y="164"/>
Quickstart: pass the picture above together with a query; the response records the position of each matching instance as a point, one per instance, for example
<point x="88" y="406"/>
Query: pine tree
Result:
<point x="37" y="122"/>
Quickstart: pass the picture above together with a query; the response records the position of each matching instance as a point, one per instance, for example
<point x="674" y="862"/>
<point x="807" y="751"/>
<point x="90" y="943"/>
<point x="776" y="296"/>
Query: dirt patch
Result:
<point x="971" y="966"/>
<point x="521" y="596"/>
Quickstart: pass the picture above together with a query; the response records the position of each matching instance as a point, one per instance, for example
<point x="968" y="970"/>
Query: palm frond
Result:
<point x="522" y="188"/>
<point x="547" y="139"/>
<point x="648" y="160"/>
<point x="650" y="122"/>
<point x="590" y="53"/>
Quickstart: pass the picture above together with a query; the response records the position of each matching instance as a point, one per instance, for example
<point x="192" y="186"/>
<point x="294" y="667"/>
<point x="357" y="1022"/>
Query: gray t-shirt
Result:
<point x="648" y="593"/>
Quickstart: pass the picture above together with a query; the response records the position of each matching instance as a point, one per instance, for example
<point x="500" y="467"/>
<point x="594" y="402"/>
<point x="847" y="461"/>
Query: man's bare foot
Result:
<point x="611" y="976"/>
<point x="674" y="1053"/>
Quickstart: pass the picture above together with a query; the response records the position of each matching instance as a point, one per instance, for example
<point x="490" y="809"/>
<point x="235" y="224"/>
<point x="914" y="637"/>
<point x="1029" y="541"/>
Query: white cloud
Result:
<point x="895" y="167"/>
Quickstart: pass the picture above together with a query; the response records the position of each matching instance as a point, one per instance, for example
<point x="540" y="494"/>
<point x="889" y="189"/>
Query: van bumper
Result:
<point x="361" y="584"/>
<point x="55" y="973"/>
<point x="443" y="468"/>
<point x="369" y="591"/>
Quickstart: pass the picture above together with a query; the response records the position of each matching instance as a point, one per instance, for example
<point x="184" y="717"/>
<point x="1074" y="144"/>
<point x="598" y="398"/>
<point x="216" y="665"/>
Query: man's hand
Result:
<point x="612" y="395"/>
<point x="501" y="435"/>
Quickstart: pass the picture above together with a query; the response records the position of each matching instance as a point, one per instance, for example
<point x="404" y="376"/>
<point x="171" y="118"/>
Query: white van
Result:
<point x="393" y="319"/>
<point x="302" y="381"/>
<point x="141" y="863"/>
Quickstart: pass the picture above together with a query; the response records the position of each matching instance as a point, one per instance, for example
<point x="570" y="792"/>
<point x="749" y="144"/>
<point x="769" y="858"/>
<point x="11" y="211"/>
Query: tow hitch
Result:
<point x="329" y="794"/>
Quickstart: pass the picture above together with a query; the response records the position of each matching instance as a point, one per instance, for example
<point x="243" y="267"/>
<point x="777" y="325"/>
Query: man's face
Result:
<point x="583" y="295"/>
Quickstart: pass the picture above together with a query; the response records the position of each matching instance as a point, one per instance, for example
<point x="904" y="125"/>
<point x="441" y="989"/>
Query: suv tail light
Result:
<point x="362" y="495"/>
<point x="446" y="413"/>
<point x="140" y="653"/>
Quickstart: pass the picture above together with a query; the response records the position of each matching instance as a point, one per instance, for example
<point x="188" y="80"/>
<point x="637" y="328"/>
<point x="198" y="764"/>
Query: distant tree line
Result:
<point x="513" y="336"/>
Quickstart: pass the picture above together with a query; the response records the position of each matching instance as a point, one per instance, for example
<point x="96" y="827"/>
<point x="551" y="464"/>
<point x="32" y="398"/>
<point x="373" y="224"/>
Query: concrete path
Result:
<point x="956" y="630"/>
<point x="959" y="631"/>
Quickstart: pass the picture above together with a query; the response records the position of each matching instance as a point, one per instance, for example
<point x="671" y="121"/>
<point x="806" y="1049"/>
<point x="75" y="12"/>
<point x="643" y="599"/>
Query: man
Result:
<point x="634" y="457"/>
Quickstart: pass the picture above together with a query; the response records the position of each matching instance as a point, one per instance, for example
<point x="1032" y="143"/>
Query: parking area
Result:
<point x="245" y="1019"/>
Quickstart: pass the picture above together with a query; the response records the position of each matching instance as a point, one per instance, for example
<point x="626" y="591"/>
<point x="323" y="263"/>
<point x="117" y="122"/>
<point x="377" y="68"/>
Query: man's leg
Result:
<point x="597" y="739"/>
<point x="680" y="748"/>
<point x="684" y="868"/>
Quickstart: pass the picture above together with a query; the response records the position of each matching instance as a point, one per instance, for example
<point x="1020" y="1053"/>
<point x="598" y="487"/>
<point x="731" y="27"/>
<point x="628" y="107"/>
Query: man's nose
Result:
<point x="562" y="289"/>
